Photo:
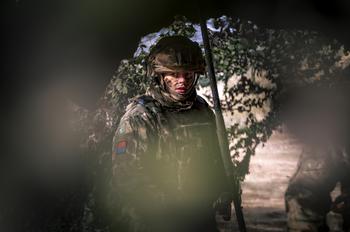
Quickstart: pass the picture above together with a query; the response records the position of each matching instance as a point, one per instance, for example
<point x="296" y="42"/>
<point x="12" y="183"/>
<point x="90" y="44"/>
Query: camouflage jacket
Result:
<point x="165" y="160"/>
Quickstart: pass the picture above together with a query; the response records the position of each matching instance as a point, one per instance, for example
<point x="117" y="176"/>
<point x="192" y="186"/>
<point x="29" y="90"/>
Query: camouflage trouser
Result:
<point x="308" y="195"/>
<point x="172" y="220"/>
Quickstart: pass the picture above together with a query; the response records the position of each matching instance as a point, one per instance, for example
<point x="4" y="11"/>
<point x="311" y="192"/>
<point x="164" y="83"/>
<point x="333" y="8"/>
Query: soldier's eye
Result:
<point x="169" y="74"/>
<point x="189" y="75"/>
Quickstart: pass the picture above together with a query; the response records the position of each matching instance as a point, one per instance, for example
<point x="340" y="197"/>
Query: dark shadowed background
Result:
<point x="78" y="43"/>
<point x="57" y="50"/>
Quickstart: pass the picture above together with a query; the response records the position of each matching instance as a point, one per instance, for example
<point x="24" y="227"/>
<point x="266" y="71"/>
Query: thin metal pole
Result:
<point x="221" y="130"/>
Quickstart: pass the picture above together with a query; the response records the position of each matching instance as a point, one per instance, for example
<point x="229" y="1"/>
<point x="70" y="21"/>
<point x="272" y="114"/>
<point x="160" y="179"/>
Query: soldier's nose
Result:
<point x="181" y="78"/>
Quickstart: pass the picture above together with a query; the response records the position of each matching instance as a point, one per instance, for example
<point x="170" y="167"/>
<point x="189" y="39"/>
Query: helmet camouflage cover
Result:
<point x="174" y="54"/>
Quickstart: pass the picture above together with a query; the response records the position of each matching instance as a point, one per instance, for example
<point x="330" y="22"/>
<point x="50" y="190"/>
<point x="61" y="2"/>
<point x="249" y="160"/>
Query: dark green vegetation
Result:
<point x="257" y="67"/>
<point x="248" y="55"/>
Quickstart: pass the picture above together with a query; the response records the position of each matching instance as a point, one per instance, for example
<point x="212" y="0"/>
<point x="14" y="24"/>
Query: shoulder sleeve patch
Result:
<point x="120" y="147"/>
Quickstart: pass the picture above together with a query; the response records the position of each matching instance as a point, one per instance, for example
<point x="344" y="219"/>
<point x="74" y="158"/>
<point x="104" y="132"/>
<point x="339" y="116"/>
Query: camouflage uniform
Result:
<point x="308" y="195"/>
<point x="322" y="123"/>
<point x="167" y="166"/>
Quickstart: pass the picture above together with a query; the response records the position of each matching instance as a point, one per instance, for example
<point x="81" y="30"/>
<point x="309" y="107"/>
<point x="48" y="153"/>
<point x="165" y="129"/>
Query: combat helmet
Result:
<point x="174" y="54"/>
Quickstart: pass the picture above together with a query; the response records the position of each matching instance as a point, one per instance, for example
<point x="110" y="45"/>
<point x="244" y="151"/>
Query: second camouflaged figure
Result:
<point x="321" y="121"/>
<point x="166" y="158"/>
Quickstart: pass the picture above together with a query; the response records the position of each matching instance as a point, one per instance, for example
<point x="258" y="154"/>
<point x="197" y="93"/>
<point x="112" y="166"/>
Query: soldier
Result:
<point x="322" y="122"/>
<point x="166" y="160"/>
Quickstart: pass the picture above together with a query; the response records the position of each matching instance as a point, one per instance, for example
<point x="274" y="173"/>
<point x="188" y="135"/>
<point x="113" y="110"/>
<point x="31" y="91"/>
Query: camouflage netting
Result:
<point x="254" y="66"/>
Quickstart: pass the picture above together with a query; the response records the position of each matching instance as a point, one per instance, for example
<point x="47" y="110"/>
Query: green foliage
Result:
<point x="261" y="63"/>
<point x="255" y="68"/>
<point x="125" y="84"/>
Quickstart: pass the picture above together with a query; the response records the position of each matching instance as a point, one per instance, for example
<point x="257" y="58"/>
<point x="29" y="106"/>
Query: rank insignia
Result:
<point x="121" y="147"/>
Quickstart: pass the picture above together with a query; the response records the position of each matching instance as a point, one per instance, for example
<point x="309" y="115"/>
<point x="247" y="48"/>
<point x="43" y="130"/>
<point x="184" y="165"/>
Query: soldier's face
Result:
<point x="179" y="82"/>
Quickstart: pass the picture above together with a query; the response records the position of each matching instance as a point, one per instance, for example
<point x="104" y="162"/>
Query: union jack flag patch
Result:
<point x="120" y="148"/>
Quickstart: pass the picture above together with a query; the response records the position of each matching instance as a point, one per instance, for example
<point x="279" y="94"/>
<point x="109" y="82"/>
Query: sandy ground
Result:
<point x="263" y="190"/>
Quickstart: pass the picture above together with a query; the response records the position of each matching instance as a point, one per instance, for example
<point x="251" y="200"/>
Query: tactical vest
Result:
<point x="185" y="152"/>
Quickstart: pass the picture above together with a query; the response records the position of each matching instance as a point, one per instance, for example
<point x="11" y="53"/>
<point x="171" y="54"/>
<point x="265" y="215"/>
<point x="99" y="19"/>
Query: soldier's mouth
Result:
<point x="181" y="90"/>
